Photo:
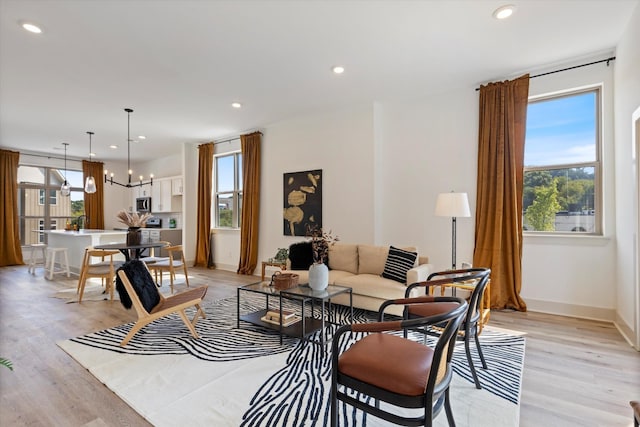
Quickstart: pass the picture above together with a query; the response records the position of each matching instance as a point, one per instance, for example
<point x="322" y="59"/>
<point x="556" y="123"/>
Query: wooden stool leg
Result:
<point x="52" y="263"/>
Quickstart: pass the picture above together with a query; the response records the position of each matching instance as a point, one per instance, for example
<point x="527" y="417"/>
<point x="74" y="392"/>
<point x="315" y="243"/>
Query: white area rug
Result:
<point x="244" y="377"/>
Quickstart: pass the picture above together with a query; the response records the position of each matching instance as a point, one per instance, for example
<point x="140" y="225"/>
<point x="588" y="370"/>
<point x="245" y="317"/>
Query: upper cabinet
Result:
<point x="164" y="197"/>
<point x="176" y="186"/>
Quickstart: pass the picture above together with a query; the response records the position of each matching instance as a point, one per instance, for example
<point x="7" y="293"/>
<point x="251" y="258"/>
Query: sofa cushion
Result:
<point x="301" y="255"/>
<point x="398" y="263"/>
<point x="371" y="259"/>
<point x="373" y="286"/>
<point x="344" y="257"/>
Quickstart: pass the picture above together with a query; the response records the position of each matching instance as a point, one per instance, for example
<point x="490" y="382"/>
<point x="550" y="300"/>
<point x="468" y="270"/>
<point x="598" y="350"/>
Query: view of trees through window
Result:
<point x="561" y="185"/>
<point x="228" y="190"/>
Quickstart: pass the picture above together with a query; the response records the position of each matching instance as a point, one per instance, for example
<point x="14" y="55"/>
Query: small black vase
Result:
<point x="134" y="236"/>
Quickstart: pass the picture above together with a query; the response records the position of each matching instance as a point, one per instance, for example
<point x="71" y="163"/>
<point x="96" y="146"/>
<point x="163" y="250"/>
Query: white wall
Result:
<point x="627" y="100"/>
<point x="576" y="268"/>
<point x="339" y="143"/>
<point x="428" y="146"/>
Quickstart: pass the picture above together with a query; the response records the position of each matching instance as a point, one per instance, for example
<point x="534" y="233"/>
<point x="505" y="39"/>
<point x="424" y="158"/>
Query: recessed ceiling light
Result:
<point x="236" y="105"/>
<point x="142" y="137"/>
<point x="338" y="69"/>
<point x="31" y="27"/>
<point x="113" y="146"/>
<point x="503" y="12"/>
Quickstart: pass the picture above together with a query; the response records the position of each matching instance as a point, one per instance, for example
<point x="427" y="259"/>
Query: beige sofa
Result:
<point x="360" y="267"/>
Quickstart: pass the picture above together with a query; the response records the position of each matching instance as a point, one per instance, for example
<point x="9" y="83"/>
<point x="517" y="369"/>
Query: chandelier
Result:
<point x="128" y="184"/>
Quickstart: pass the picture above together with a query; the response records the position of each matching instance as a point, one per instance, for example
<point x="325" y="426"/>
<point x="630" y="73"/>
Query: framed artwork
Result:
<point x="302" y="202"/>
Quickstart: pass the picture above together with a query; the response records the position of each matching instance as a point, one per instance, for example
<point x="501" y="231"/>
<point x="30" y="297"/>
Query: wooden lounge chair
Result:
<point x="136" y="287"/>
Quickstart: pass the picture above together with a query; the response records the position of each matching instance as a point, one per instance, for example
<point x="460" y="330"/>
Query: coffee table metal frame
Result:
<point x="302" y="294"/>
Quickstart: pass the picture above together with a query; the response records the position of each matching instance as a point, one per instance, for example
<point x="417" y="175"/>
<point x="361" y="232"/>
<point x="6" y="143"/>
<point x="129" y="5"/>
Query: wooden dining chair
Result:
<point x="174" y="262"/>
<point x="154" y="254"/>
<point x="104" y="269"/>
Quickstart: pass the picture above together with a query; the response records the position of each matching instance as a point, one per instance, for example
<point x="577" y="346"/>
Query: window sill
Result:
<point x="573" y="239"/>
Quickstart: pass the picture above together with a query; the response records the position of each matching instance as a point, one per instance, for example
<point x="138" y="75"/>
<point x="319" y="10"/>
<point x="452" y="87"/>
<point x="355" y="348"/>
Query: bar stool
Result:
<point x="51" y="260"/>
<point x="33" y="261"/>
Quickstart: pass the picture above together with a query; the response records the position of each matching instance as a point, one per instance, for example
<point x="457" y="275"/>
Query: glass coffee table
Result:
<point x="307" y="322"/>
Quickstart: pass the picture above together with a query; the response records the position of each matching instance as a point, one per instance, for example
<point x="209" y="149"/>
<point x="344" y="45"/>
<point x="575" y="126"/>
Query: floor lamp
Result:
<point x="453" y="205"/>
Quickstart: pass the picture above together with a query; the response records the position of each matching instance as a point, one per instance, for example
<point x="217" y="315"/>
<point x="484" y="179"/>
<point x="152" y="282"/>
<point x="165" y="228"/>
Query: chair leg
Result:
<point x="473" y="368"/>
<point x="83" y="281"/>
<point x="134" y="329"/>
<point x="170" y="278"/>
<point x="334" y="404"/>
<point x="447" y="409"/>
<point x="186" y="321"/>
<point x="186" y="275"/>
<point x="484" y="363"/>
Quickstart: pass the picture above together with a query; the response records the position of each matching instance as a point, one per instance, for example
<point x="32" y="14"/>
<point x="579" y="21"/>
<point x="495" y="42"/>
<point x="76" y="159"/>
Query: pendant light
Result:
<point x="90" y="183"/>
<point x="130" y="172"/>
<point x="65" y="189"/>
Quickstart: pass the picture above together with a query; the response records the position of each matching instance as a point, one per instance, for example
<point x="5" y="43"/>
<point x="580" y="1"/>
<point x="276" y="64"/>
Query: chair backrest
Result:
<point x="479" y="275"/>
<point x="145" y="295"/>
<point x="176" y="253"/>
<point x="450" y="322"/>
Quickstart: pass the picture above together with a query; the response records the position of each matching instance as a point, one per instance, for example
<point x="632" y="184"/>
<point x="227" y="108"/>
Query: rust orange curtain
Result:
<point x="10" y="250"/>
<point x="205" y="188"/>
<point x="498" y="237"/>
<point x="250" y="202"/>
<point x="94" y="203"/>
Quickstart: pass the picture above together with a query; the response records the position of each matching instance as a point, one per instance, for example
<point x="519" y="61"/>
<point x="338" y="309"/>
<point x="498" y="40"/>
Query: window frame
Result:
<point x="598" y="188"/>
<point x="48" y="194"/>
<point x="236" y="194"/>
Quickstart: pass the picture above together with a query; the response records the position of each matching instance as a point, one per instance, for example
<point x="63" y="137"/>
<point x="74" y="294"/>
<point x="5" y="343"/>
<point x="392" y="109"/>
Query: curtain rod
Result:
<point x="612" y="58"/>
<point x="47" y="156"/>
<point x="233" y="138"/>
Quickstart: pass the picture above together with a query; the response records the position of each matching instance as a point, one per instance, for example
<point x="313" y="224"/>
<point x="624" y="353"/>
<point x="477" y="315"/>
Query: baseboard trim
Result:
<point x="626" y="331"/>
<point x="572" y="310"/>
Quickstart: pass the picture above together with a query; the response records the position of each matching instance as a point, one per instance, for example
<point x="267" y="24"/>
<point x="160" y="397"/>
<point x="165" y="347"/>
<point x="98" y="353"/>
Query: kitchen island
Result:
<point x="77" y="241"/>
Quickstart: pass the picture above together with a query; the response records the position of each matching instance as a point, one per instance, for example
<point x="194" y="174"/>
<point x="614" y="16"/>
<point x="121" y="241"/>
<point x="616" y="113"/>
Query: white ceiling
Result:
<point x="180" y="63"/>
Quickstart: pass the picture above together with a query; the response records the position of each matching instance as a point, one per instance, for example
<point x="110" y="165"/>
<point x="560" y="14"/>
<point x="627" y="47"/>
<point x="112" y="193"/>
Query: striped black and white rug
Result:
<point x="244" y="377"/>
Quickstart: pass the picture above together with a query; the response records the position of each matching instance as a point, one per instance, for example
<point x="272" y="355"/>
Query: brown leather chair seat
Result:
<point x="389" y="362"/>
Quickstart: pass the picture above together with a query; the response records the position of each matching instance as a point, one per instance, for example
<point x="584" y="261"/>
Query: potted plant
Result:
<point x="320" y="243"/>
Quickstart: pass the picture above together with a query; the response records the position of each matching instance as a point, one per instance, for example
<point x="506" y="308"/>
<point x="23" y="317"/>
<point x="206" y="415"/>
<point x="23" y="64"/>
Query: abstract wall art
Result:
<point x="302" y="202"/>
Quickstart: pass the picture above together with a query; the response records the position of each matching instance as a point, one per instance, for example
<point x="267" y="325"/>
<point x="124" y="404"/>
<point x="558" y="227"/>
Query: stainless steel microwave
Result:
<point x="143" y="204"/>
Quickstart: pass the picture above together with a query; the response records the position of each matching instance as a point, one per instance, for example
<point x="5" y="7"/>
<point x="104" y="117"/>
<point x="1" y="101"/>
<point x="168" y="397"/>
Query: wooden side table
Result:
<point x="282" y="265"/>
<point x="485" y="300"/>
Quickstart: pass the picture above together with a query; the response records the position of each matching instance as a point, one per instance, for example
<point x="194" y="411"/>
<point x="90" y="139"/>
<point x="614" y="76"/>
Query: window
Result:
<point x="40" y="201"/>
<point x="562" y="190"/>
<point x="228" y="190"/>
<point x="53" y="197"/>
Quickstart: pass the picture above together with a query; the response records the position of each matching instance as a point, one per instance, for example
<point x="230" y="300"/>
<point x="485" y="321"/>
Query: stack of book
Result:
<point x="273" y="317"/>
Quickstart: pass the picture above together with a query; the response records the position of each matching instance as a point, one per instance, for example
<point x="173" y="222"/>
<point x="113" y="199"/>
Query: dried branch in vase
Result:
<point x="320" y="243"/>
<point x="132" y="219"/>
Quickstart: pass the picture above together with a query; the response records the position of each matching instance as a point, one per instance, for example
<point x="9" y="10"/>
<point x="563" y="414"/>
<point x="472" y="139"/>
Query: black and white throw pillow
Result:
<point x="398" y="263"/>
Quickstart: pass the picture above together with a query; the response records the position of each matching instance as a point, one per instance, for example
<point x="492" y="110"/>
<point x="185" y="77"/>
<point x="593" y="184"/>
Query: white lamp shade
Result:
<point x="452" y="205"/>
<point x="90" y="185"/>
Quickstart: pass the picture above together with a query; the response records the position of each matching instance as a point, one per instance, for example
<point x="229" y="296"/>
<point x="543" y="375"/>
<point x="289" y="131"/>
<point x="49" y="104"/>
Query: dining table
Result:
<point x="131" y="251"/>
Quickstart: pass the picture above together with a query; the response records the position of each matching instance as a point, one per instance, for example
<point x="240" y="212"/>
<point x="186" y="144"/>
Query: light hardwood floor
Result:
<point x="577" y="372"/>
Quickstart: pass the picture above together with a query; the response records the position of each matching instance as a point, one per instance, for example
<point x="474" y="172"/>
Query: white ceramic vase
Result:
<point x="318" y="277"/>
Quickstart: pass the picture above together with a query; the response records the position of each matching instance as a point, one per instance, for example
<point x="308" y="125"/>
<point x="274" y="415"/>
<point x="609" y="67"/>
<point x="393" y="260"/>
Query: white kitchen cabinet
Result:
<point x="162" y="199"/>
<point x="176" y="186"/>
